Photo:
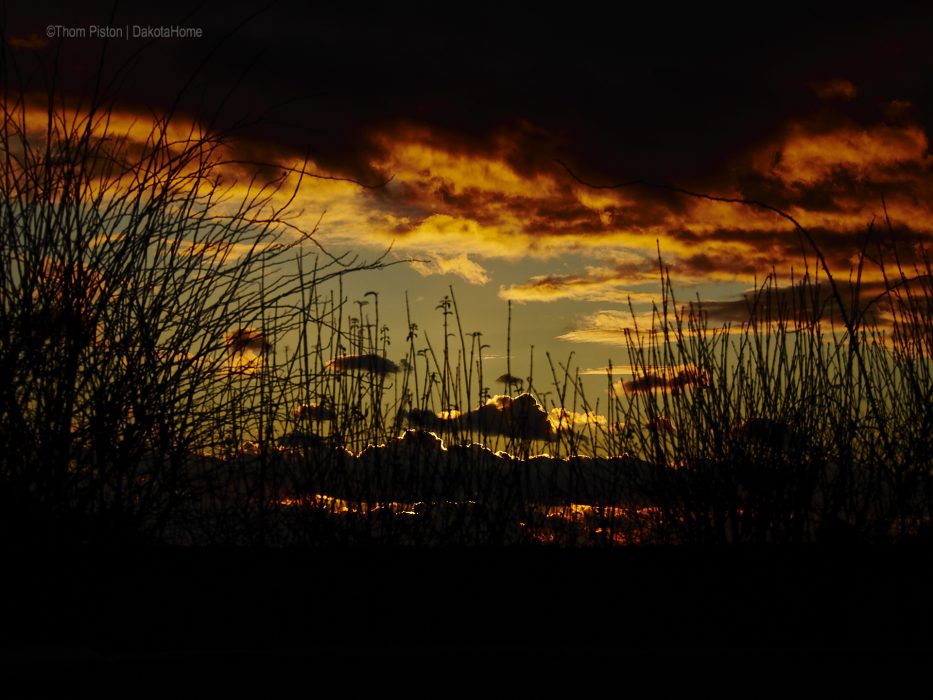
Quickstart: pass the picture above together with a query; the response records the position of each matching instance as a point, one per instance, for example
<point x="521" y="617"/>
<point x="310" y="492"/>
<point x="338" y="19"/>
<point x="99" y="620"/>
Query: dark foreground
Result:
<point x="164" y="606"/>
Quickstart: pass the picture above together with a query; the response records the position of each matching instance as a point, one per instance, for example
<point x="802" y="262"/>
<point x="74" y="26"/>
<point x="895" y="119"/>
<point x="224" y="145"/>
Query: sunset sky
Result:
<point x="468" y="118"/>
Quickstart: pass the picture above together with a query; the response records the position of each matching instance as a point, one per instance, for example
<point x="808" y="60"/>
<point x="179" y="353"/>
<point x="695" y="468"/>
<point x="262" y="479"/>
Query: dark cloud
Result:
<point x="309" y="412"/>
<point x="510" y="379"/>
<point x="373" y="364"/>
<point x="825" y="119"/>
<point x="835" y="89"/>
<point x="805" y="302"/>
<point x="702" y="263"/>
<point x="675" y="382"/>
<point x="243" y="340"/>
<point x="521" y="417"/>
<point x="633" y="93"/>
<point x="646" y="383"/>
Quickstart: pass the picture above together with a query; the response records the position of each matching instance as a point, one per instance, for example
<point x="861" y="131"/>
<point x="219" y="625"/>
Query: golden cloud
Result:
<point x="113" y="125"/>
<point x="418" y="156"/>
<point x="596" y="284"/>
<point x="563" y="419"/>
<point x="459" y="265"/>
<point x="468" y="203"/>
<point x="452" y="206"/>
<point x="609" y="326"/>
<point x="879" y="153"/>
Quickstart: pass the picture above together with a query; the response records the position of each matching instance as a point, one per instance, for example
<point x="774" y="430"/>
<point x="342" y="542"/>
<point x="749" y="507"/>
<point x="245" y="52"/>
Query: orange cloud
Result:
<point x="418" y="156"/>
<point x="879" y="153"/>
<point x="453" y="206"/>
<point x="451" y="203"/>
<point x="113" y="125"/>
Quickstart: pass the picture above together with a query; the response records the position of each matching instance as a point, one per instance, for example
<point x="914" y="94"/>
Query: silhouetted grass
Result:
<point x="140" y="296"/>
<point x="179" y="364"/>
